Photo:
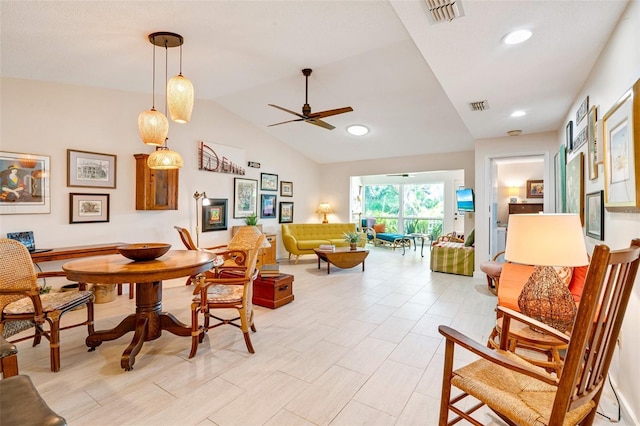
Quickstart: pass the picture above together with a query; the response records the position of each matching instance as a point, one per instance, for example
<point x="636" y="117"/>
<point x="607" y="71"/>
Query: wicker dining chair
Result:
<point x="22" y="306"/>
<point x="185" y="236"/>
<point x="523" y="394"/>
<point x="230" y="289"/>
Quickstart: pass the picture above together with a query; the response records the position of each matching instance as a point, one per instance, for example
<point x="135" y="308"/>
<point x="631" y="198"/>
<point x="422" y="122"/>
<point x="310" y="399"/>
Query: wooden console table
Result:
<point x="63" y="253"/>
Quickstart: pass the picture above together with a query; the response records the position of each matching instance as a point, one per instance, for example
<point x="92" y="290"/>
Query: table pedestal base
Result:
<point x="147" y="324"/>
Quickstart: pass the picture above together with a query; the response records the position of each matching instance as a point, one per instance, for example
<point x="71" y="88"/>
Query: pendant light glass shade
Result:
<point x="180" y="98"/>
<point x="164" y="159"/>
<point x="153" y="127"/>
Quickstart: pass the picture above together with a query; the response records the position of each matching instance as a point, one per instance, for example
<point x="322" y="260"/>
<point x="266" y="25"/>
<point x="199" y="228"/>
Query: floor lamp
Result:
<point x="205" y="202"/>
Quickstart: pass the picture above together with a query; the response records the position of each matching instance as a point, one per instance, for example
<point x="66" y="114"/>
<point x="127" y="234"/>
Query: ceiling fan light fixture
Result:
<point x="517" y="36"/>
<point x="358" y="130"/>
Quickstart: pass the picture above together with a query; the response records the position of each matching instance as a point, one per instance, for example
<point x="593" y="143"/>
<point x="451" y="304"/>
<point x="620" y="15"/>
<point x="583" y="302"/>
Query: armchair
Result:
<point x="523" y="394"/>
<point x="22" y="306"/>
<point x="185" y="236"/>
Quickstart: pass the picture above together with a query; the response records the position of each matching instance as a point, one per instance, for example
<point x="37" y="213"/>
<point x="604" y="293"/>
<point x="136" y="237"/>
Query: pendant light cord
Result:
<point x="166" y="80"/>
<point x="153" y="78"/>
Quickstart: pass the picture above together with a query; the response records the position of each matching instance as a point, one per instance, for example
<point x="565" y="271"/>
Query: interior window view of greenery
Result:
<point x="407" y="208"/>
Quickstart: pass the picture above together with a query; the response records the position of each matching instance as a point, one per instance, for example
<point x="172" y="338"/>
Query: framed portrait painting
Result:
<point x="268" y="182"/>
<point x="621" y="137"/>
<point x="286" y="212"/>
<point x="88" y="208"/>
<point x="595" y="215"/>
<point x="267" y="206"/>
<point x="214" y="216"/>
<point x="25" y="183"/>
<point x="575" y="186"/>
<point x="91" y="169"/>
<point x="245" y="197"/>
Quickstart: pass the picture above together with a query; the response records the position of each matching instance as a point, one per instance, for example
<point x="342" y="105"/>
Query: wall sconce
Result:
<point x="324" y="208"/>
<point x="205" y="202"/>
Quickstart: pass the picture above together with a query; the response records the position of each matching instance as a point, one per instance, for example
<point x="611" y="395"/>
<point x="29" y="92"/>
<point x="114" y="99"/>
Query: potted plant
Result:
<point x="251" y="220"/>
<point x="353" y="238"/>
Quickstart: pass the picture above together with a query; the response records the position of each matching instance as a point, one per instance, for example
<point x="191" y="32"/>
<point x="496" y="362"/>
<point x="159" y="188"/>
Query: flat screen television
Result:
<point x="465" y="200"/>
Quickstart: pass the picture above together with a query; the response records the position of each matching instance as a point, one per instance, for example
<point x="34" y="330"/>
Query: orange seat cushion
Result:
<point x="577" y="281"/>
<point x="513" y="277"/>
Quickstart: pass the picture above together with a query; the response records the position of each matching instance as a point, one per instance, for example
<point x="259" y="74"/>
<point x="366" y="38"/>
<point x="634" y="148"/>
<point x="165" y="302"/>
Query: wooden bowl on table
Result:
<point x="144" y="251"/>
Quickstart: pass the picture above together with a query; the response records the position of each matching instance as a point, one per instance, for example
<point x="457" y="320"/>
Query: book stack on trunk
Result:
<point x="270" y="270"/>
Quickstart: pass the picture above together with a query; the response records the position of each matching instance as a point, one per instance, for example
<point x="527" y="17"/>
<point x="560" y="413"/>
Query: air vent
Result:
<point x="479" y="105"/>
<point x="444" y="10"/>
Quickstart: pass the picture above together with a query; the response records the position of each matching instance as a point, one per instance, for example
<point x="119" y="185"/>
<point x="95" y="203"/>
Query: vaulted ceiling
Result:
<point x="408" y="80"/>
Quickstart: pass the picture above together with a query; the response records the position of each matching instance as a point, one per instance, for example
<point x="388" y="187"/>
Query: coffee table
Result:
<point x="342" y="257"/>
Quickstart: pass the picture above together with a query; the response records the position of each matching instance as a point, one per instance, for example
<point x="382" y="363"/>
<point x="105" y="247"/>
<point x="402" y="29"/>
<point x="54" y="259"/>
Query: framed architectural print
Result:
<point x="268" y="182"/>
<point x="245" y="196"/>
<point x="621" y="138"/>
<point x="25" y="183"/>
<point x="582" y="110"/>
<point x="267" y="206"/>
<point x="535" y="189"/>
<point x="91" y="169"/>
<point x="214" y="216"/>
<point x="595" y="215"/>
<point x="575" y="186"/>
<point x="88" y="208"/>
<point x="286" y="189"/>
<point x="286" y="212"/>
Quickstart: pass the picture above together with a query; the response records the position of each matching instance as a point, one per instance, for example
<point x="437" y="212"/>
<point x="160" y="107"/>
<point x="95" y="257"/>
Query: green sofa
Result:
<point x="302" y="238"/>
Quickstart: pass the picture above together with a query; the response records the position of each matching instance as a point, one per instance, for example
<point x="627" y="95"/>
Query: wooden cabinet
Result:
<point x="155" y="189"/>
<point x="525" y="208"/>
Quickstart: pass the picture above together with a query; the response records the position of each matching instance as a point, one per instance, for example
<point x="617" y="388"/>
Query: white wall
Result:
<point x="615" y="71"/>
<point x="48" y="118"/>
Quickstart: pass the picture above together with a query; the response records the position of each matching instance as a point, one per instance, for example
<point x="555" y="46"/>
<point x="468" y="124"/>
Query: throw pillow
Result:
<point x="379" y="227"/>
<point x="470" y="239"/>
<point x="565" y="273"/>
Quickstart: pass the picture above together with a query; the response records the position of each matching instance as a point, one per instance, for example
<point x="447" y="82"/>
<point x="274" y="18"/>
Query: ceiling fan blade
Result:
<point x="330" y="112"/>
<point x="287" y="110"/>
<point x="320" y="123"/>
<point x="285" y="122"/>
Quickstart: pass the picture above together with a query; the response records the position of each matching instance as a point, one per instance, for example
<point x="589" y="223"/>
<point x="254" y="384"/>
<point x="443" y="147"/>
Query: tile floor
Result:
<point x="354" y="348"/>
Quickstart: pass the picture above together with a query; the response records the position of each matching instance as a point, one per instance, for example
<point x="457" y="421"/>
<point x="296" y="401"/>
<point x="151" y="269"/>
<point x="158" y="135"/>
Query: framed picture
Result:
<point x="214" y="216"/>
<point x="286" y="189"/>
<point x="582" y="110"/>
<point x="581" y="138"/>
<point x="267" y="205"/>
<point x="575" y="186"/>
<point x="592" y="148"/>
<point x="245" y="197"/>
<point x="91" y="169"/>
<point x="286" y="212"/>
<point x="560" y="164"/>
<point x="535" y="189"/>
<point x="568" y="136"/>
<point x="595" y="215"/>
<point x="25" y="183"/>
<point x="621" y="137"/>
<point x="88" y="208"/>
<point x="268" y="182"/>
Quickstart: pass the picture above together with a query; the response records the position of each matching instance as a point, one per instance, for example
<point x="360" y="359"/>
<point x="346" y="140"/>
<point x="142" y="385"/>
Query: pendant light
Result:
<point x="163" y="158"/>
<point x="152" y="124"/>
<point x="180" y="95"/>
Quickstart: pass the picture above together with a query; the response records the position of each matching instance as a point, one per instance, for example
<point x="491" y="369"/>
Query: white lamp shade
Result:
<point x="180" y="98"/>
<point x="546" y="240"/>
<point x="165" y="159"/>
<point x="153" y="127"/>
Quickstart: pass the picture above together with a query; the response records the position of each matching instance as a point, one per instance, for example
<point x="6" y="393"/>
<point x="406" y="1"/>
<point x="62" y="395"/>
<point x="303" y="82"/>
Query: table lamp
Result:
<point x="324" y="208"/>
<point x="546" y="240"/>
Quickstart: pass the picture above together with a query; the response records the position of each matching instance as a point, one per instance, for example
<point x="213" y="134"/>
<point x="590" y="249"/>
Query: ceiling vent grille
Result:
<point x="444" y="10"/>
<point x="479" y="105"/>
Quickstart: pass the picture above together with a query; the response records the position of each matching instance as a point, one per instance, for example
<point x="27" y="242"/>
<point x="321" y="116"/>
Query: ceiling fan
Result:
<point x="308" y="116"/>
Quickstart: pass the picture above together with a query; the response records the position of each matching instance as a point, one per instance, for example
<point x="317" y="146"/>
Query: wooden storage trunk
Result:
<point x="273" y="292"/>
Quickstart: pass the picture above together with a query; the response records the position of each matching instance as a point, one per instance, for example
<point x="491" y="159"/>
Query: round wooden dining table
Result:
<point x="148" y="321"/>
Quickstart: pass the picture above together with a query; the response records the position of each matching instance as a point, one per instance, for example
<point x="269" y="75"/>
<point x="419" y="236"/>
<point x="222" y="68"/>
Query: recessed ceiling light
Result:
<point x="518" y="113"/>
<point x="517" y="36"/>
<point x="358" y="130"/>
